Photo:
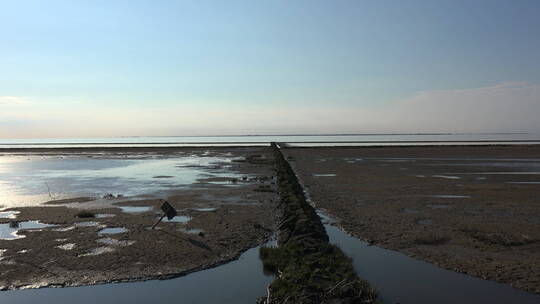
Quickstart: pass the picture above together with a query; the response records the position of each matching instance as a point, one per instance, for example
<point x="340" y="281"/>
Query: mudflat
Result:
<point x="471" y="209"/>
<point x="108" y="238"/>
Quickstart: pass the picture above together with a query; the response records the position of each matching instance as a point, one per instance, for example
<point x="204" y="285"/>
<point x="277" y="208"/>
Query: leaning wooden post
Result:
<point x="158" y="221"/>
<point x="168" y="211"/>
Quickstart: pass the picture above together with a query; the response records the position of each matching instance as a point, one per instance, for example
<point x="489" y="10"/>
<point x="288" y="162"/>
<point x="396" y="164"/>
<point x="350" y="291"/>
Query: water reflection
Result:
<point x="401" y="279"/>
<point x="114" y="230"/>
<point x="135" y="209"/>
<point x="9" y="231"/>
<point x="9" y="214"/>
<point x="178" y="219"/>
<point x="31" y="180"/>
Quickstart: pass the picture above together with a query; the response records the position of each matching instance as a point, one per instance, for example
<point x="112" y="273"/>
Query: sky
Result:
<point x="161" y="68"/>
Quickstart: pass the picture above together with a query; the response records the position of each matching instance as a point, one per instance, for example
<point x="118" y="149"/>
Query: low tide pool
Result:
<point x="401" y="279"/>
<point x="10" y="231"/>
<point x="9" y="214"/>
<point x="34" y="179"/>
<point x="115" y="230"/>
<point x="178" y="219"/>
<point x="135" y="209"/>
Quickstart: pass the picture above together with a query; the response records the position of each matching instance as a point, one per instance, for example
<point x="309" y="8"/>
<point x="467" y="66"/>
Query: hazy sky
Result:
<point x="112" y="68"/>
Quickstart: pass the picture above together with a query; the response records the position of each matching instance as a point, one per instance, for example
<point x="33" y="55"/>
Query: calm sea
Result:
<point x="295" y="140"/>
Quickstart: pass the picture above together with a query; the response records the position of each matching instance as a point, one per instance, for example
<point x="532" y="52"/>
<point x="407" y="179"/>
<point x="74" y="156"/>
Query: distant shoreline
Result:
<point x="42" y="147"/>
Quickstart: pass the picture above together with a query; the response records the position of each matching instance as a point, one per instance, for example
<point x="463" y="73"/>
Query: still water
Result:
<point x="178" y="141"/>
<point x="28" y="180"/>
<point x="241" y="281"/>
<point x="401" y="279"/>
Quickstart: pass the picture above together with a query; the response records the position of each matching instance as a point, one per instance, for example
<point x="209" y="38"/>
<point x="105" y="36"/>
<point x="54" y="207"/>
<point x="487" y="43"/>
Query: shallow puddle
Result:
<point x="68" y="246"/>
<point x="9" y="231"/>
<point x="64" y="229"/>
<point x="178" y="219"/>
<point x="446" y="176"/>
<point x="86" y="224"/>
<point x="104" y="215"/>
<point x="395" y="160"/>
<point x="324" y="175"/>
<point x="135" y="209"/>
<point x="424" y="222"/>
<point x="524" y="183"/>
<point x="115" y="230"/>
<point x="204" y="209"/>
<point x="9" y="214"/>
<point x="401" y="279"/>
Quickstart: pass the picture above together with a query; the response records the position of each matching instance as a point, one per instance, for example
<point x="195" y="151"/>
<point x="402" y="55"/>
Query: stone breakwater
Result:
<point x="307" y="268"/>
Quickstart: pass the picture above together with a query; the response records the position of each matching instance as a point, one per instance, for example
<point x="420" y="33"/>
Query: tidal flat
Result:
<point x="78" y="217"/>
<point x="473" y="210"/>
<point x="96" y="208"/>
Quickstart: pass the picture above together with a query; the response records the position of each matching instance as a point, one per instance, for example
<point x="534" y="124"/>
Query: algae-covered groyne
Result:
<point x="308" y="269"/>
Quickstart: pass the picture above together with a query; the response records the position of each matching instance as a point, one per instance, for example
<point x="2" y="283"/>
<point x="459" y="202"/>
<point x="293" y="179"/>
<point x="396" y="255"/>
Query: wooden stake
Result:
<point x="161" y="218"/>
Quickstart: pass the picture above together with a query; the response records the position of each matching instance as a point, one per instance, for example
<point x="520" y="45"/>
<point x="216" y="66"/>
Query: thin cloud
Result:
<point x="13" y="100"/>
<point x="505" y="107"/>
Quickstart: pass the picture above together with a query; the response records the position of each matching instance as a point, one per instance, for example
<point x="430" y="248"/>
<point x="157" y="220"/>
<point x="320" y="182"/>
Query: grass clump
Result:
<point x="321" y="276"/>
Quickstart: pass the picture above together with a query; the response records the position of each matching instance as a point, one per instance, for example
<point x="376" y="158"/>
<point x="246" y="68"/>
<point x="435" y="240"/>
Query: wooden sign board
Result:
<point x="169" y="210"/>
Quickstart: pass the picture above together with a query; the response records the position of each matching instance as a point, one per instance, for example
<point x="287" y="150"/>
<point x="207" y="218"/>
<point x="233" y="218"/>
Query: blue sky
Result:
<point x="110" y="68"/>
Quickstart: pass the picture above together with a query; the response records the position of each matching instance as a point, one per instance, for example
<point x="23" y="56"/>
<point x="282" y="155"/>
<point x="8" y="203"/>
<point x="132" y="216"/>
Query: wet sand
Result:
<point x="219" y="218"/>
<point x="468" y="209"/>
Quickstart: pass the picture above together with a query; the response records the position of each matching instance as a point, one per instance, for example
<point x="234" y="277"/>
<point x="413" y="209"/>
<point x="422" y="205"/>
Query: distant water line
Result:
<point x="263" y="140"/>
